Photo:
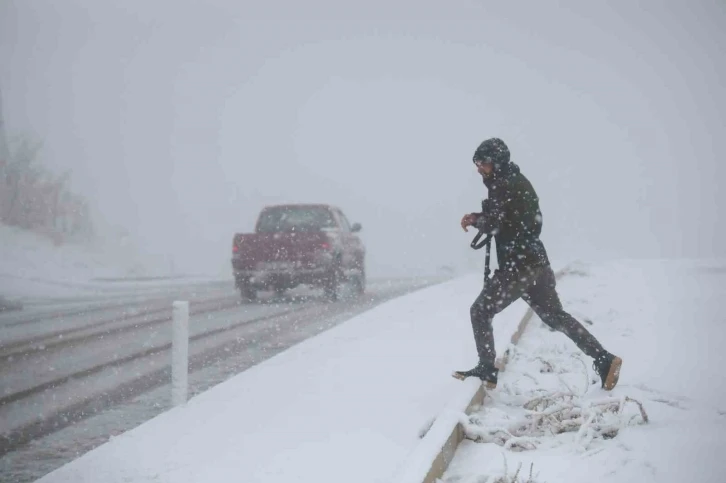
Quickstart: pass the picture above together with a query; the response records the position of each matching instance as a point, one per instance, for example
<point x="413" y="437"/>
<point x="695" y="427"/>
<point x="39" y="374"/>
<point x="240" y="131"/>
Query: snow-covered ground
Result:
<point x="350" y="404"/>
<point x="667" y="322"/>
<point x="33" y="268"/>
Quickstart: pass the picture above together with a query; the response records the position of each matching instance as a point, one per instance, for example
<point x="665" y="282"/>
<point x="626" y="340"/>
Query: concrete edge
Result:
<point x="431" y="458"/>
<point x="434" y="452"/>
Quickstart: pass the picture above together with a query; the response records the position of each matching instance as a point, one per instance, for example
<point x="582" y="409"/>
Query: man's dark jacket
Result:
<point x="511" y="213"/>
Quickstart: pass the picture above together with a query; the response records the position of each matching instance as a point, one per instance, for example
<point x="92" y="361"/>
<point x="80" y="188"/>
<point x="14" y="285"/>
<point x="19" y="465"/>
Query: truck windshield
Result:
<point x="299" y="219"/>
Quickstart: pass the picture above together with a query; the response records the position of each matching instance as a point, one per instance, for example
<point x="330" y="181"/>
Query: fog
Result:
<point x="181" y="120"/>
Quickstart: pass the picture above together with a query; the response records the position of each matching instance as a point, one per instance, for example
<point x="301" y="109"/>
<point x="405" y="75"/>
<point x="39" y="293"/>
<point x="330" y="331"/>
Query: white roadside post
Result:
<point x="179" y="353"/>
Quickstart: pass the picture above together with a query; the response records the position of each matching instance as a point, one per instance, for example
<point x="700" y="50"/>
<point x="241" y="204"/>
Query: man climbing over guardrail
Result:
<point x="511" y="214"/>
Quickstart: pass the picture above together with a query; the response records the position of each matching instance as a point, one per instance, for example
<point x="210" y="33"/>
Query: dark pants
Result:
<point x="537" y="287"/>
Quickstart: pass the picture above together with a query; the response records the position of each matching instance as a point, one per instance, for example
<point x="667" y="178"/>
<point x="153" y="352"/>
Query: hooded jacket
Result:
<point x="511" y="213"/>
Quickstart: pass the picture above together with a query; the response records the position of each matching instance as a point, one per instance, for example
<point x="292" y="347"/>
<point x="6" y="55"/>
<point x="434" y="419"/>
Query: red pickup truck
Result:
<point x="294" y="244"/>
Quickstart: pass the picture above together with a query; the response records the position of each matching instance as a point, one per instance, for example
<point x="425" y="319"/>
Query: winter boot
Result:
<point x="486" y="372"/>
<point x="608" y="368"/>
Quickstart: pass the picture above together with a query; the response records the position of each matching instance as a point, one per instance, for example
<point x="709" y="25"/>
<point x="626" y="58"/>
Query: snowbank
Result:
<point x="32" y="266"/>
<point x="664" y="319"/>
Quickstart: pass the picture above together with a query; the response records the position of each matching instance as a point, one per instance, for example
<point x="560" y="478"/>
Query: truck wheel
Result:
<point x="360" y="283"/>
<point x="333" y="288"/>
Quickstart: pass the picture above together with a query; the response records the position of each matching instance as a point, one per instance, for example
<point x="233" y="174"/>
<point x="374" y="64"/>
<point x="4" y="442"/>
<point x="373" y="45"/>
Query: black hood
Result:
<point x="493" y="150"/>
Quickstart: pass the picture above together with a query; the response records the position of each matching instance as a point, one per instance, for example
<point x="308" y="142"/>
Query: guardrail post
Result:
<point x="179" y="353"/>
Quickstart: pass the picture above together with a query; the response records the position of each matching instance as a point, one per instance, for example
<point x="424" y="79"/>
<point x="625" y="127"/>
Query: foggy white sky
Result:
<point x="182" y="119"/>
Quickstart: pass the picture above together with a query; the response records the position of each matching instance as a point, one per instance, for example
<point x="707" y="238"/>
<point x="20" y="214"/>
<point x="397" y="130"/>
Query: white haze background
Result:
<point x="181" y="119"/>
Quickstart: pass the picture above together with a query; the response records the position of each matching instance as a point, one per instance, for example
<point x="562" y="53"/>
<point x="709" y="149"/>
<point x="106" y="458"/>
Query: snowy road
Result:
<point x="61" y="365"/>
